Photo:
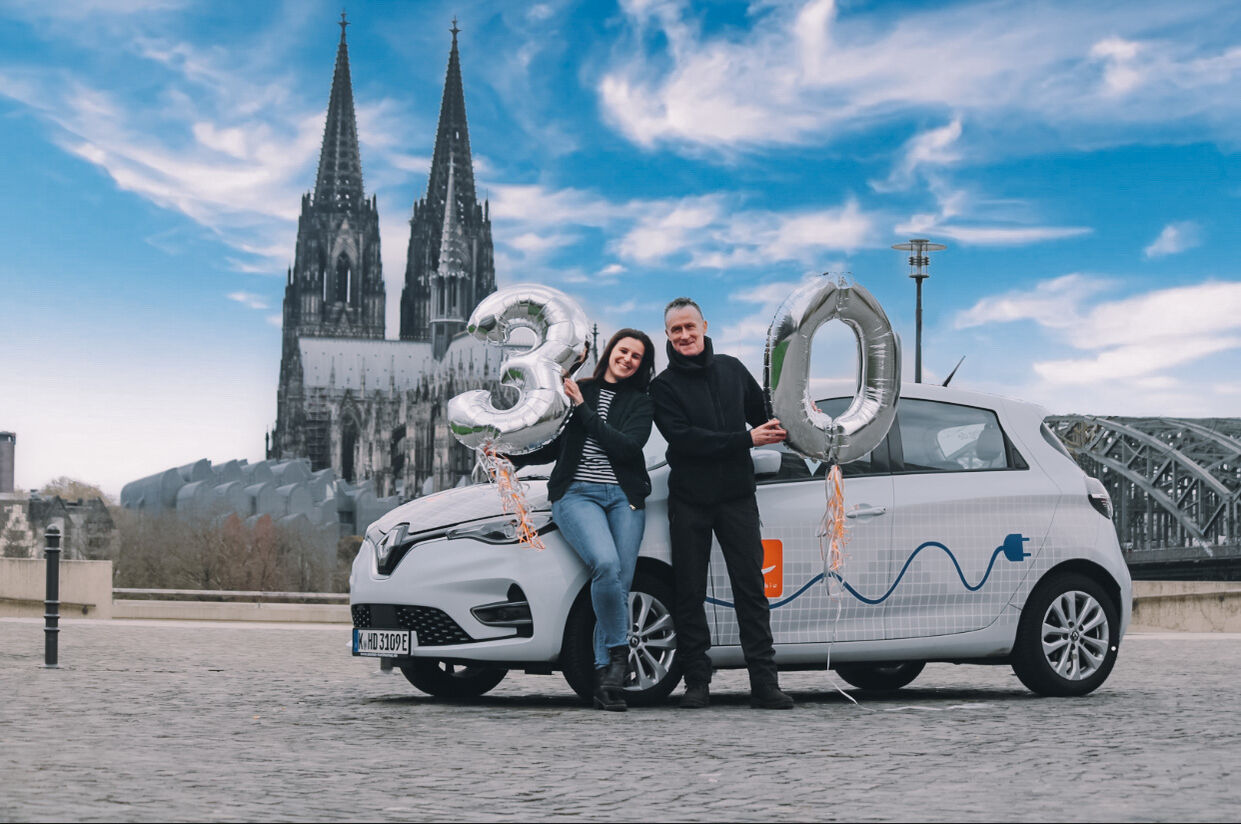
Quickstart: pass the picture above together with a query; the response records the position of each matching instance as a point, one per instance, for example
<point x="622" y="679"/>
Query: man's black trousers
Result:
<point x="735" y="523"/>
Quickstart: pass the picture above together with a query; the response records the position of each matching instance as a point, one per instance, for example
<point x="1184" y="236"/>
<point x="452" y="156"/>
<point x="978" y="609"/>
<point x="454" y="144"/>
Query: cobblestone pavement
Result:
<point x="154" y="721"/>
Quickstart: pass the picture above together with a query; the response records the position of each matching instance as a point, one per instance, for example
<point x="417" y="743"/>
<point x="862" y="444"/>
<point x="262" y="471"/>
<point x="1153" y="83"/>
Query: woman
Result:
<point x="598" y="490"/>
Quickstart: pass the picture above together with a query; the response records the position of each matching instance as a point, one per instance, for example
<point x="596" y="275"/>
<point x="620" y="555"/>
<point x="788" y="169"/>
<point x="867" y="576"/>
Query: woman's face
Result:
<point x="625" y="359"/>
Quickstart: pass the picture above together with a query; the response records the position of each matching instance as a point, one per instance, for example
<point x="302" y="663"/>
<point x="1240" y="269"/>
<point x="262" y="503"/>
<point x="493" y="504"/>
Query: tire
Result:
<point x="654" y="670"/>
<point x="453" y="682"/>
<point x="1067" y="638"/>
<point x="881" y="677"/>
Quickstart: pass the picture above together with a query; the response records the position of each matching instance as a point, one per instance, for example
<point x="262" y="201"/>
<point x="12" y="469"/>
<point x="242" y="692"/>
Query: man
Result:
<point x="703" y="402"/>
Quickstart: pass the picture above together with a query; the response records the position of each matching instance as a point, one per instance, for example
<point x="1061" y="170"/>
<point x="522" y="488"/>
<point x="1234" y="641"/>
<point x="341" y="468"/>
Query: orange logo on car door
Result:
<point x="773" y="568"/>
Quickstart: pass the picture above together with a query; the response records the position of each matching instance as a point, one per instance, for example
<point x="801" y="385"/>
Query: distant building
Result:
<point x="348" y="399"/>
<point x="8" y="446"/>
<point x="316" y="504"/>
<point x="86" y="527"/>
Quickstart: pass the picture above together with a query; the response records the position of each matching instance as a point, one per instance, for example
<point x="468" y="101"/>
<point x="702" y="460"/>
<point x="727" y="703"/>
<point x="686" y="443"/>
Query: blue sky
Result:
<point x="1079" y="160"/>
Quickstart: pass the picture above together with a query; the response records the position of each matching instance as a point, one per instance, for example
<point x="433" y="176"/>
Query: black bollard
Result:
<point x="51" y="617"/>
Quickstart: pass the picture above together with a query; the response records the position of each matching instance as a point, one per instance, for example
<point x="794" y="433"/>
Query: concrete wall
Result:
<point x="232" y="611"/>
<point x="85" y="588"/>
<point x="86" y="591"/>
<point x="1187" y="606"/>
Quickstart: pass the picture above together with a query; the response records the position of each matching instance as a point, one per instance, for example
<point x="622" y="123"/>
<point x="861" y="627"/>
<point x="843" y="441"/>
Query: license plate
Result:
<point x="384" y="643"/>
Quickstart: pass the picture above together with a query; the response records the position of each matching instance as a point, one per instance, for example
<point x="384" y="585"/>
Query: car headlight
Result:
<point x="502" y="530"/>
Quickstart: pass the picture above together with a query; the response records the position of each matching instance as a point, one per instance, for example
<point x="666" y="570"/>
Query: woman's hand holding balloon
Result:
<point x="573" y="391"/>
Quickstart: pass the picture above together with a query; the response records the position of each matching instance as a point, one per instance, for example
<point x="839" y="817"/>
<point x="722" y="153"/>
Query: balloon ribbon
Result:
<point x="512" y="493"/>
<point x="832" y="535"/>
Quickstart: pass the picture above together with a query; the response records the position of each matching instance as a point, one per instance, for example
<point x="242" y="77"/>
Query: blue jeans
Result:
<point x="606" y="533"/>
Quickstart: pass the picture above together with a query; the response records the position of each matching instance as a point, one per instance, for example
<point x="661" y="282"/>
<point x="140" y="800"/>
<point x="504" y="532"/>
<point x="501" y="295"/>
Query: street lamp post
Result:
<point x="917" y="270"/>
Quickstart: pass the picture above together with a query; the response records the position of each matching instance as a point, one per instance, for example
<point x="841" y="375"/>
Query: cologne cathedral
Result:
<point x="349" y="399"/>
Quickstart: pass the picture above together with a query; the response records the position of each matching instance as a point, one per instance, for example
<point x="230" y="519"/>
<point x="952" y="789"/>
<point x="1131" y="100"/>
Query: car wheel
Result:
<point x="654" y="670"/>
<point x="1067" y="637"/>
<point x="880" y="677"/>
<point x="451" y="681"/>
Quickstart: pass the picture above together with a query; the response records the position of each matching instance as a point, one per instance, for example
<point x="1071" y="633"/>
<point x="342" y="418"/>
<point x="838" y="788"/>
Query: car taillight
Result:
<point x="1096" y="493"/>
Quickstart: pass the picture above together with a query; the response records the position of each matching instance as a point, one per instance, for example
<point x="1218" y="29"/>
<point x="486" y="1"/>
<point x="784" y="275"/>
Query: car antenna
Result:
<point x="954" y="371"/>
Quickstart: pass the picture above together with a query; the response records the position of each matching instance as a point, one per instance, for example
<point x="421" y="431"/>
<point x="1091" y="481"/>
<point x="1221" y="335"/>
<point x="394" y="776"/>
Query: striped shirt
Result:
<point x="594" y="465"/>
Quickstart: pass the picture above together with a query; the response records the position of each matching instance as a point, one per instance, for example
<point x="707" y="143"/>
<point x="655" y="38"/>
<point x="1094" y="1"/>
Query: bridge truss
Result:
<point x="1175" y="482"/>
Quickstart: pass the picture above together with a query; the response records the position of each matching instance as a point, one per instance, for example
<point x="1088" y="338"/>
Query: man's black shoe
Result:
<point x="696" y="697"/>
<point x="769" y="697"/>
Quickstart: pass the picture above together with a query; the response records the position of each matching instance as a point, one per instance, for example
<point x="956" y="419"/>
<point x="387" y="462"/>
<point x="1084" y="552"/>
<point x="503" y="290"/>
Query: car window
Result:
<point x="947" y="437"/>
<point x="795" y="467"/>
<point x="1054" y="441"/>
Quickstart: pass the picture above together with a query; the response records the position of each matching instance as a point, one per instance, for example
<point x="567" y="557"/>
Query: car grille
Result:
<point x="434" y="626"/>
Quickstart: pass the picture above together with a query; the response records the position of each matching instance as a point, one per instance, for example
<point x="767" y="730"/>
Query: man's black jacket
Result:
<point x="622" y="437"/>
<point x="702" y="406"/>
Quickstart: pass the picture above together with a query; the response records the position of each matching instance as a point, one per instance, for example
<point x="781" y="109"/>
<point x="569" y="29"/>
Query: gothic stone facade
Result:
<point x="349" y="399"/>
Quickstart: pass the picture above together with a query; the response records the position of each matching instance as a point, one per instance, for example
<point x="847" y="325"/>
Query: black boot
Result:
<point x="610" y="693"/>
<point x="767" y="696"/>
<point x="696" y="697"/>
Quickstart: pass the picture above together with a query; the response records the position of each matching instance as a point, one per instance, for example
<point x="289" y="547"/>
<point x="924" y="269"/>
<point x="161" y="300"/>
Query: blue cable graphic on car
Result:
<point x="1012" y="549"/>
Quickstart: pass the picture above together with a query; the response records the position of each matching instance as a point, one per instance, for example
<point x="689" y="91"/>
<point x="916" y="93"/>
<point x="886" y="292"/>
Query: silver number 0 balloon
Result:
<point x="542" y="407"/>
<point x="786" y="370"/>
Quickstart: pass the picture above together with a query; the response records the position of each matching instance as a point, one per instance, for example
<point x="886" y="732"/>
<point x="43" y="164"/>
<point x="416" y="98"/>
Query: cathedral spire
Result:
<point x="452" y="138"/>
<point x="340" y="166"/>
<point x="452" y="240"/>
<point x="451" y="264"/>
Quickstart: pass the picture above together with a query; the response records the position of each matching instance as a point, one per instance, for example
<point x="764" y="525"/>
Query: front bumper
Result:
<point x="436" y="585"/>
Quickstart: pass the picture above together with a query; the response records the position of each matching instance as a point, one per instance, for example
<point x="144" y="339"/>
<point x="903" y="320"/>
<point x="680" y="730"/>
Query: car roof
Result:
<point x="934" y="392"/>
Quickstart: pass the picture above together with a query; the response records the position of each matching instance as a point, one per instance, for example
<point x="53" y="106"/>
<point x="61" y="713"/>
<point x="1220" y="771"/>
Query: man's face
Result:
<point x="686" y="329"/>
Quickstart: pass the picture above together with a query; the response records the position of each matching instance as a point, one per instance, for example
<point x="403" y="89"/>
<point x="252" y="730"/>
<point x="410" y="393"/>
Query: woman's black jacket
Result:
<point x="622" y="437"/>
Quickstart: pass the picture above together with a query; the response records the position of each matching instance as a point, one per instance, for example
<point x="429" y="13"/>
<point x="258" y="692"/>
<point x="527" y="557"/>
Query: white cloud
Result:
<point x="532" y="244"/>
<point x="808" y="71"/>
<point x="1120" y="73"/>
<point x="710" y="231"/>
<point x="542" y="206"/>
<point x="932" y="148"/>
<point x="1131" y="338"/>
<point x="971" y="219"/>
<point x="999" y="235"/>
<point x="1053" y="303"/>
<point x="1136" y="360"/>
<point x="222" y="139"/>
<point x="669" y="228"/>
<point x="1175" y="237"/>
<point x="248" y="299"/>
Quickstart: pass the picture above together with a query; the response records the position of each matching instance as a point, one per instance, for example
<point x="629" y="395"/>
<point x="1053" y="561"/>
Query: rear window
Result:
<point x="946" y="437"/>
<point x="1055" y="441"/>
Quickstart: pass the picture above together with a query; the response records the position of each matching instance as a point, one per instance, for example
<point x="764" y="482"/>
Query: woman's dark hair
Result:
<point x="641" y="378"/>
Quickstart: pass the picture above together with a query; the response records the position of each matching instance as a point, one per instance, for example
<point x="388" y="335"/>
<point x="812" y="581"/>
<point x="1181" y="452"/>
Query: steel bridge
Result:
<point x="1175" y="485"/>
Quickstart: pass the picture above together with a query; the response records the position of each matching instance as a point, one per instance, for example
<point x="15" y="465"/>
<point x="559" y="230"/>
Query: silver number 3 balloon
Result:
<point x="786" y="371"/>
<point x="542" y="407"/>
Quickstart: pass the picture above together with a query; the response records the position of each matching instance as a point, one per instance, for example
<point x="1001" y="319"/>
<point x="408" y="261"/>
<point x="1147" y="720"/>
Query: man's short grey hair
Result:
<point x="680" y="303"/>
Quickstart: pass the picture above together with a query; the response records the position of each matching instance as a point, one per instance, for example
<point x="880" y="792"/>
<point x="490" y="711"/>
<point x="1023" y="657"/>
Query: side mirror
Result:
<point x="766" y="461"/>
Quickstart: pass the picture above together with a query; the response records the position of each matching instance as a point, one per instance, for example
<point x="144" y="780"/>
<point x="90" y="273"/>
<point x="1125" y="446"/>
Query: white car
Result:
<point x="974" y="538"/>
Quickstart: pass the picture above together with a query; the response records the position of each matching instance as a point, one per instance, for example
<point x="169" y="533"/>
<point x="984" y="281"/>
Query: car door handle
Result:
<point x="866" y="511"/>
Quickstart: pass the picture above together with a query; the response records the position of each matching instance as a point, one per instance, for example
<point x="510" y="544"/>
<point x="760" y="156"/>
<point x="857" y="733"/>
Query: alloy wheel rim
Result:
<point x="1075" y="635"/>
<point x="652" y="641"/>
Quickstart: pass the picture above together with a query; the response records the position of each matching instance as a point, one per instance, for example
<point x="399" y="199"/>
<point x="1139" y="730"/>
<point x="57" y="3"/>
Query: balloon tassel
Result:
<point x="833" y="531"/>
<point x="503" y="474"/>
<point x="833" y="536"/>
